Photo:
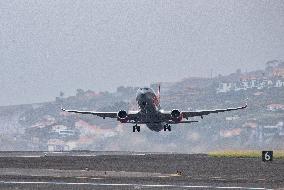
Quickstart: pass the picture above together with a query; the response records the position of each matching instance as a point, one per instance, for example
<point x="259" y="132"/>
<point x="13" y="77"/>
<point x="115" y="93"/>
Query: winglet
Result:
<point x="63" y="109"/>
<point x="246" y="104"/>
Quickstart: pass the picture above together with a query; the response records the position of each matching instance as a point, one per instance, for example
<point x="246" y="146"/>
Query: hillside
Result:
<point x="44" y="127"/>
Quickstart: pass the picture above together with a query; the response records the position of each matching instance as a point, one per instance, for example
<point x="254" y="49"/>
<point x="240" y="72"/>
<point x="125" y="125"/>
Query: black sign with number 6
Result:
<point x="267" y="156"/>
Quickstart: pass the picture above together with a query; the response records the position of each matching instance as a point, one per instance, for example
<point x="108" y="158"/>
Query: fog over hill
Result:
<point x="44" y="126"/>
<point x="52" y="46"/>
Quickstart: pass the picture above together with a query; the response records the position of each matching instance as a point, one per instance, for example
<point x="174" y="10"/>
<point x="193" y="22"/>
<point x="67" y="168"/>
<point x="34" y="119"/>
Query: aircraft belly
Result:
<point x="149" y="112"/>
<point x="155" y="126"/>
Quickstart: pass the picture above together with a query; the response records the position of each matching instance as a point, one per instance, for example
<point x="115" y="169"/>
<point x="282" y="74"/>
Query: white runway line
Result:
<point x="30" y="156"/>
<point x="131" y="184"/>
<point x="137" y="154"/>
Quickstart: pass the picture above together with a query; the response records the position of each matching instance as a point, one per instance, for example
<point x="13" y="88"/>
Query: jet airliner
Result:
<point x="151" y="114"/>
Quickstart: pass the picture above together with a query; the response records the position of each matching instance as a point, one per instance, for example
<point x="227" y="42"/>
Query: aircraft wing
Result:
<point x="100" y="114"/>
<point x="201" y="113"/>
<point x="130" y="115"/>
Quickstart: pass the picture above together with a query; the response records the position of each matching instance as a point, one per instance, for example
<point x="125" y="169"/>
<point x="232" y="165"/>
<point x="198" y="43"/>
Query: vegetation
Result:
<point x="278" y="154"/>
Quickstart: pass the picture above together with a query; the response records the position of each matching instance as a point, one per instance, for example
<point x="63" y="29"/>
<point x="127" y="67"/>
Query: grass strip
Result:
<point x="277" y="154"/>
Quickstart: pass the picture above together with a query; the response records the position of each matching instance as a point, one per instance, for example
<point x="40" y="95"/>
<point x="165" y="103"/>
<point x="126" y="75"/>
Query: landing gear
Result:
<point x="167" y="127"/>
<point x="136" y="128"/>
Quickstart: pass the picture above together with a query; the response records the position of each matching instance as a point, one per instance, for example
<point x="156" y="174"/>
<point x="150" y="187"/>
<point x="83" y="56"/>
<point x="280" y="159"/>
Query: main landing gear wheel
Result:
<point x="167" y="127"/>
<point x="136" y="128"/>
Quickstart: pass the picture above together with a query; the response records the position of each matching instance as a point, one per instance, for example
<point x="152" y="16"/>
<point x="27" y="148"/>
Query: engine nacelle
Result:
<point x="176" y="115"/>
<point x="122" y="116"/>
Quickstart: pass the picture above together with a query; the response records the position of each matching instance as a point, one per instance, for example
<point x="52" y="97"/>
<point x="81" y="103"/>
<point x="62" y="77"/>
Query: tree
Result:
<point x="61" y="94"/>
<point x="80" y="92"/>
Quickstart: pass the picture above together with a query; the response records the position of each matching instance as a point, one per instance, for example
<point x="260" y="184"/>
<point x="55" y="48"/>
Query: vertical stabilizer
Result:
<point x="159" y="91"/>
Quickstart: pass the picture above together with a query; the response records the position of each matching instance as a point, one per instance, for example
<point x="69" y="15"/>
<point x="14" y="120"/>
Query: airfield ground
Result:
<point x="127" y="170"/>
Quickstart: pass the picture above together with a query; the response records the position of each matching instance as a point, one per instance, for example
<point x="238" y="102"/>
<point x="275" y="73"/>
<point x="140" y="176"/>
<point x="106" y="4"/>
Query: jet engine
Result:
<point x="122" y="116"/>
<point x="176" y="115"/>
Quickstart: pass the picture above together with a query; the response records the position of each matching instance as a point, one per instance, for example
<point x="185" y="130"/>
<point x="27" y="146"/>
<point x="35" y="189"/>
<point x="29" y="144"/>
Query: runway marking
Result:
<point x="138" y="154"/>
<point x="239" y="178"/>
<point x="88" y="178"/>
<point x="216" y="177"/>
<point x="31" y="156"/>
<point x="163" y="176"/>
<point x="81" y="177"/>
<point x="175" y="175"/>
<point x="132" y="184"/>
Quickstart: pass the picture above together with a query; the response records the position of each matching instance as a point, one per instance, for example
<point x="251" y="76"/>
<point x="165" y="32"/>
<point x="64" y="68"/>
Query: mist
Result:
<point x="53" y="46"/>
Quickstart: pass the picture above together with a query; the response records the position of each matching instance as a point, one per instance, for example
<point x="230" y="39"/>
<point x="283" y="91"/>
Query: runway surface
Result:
<point x="128" y="170"/>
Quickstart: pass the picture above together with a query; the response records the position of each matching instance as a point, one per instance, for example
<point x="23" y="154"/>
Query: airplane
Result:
<point x="151" y="114"/>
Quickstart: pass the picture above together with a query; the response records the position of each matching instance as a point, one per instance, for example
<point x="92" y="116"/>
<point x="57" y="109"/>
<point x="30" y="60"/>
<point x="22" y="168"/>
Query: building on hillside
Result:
<point x="225" y="87"/>
<point x="62" y="131"/>
<point x="271" y="131"/>
<point x="275" y="107"/>
<point x="232" y="118"/>
<point x="56" y="145"/>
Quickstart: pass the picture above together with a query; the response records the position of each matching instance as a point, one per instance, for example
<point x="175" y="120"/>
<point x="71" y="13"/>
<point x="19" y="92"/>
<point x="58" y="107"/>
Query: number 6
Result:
<point x="267" y="156"/>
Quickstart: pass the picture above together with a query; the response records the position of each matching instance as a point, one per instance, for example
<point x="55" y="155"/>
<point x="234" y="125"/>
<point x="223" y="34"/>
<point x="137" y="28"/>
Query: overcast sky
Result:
<point x="52" y="46"/>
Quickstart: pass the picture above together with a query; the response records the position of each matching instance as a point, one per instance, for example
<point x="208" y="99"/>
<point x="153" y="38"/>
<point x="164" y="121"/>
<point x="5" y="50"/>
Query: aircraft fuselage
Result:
<point x="149" y="107"/>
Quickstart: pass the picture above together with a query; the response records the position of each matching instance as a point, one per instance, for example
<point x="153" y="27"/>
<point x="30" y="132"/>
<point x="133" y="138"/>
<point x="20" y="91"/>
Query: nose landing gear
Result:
<point x="167" y="127"/>
<point x="136" y="128"/>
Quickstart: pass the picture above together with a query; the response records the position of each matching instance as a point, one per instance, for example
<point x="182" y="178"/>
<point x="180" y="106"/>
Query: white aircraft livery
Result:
<point x="151" y="114"/>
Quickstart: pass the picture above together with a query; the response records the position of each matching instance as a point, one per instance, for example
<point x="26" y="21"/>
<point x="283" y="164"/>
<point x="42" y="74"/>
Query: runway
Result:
<point x="123" y="185"/>
<point x="129" y="170"/>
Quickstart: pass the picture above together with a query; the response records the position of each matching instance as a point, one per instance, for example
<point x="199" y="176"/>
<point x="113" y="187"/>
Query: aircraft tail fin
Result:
<point x="159" y="91"/>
